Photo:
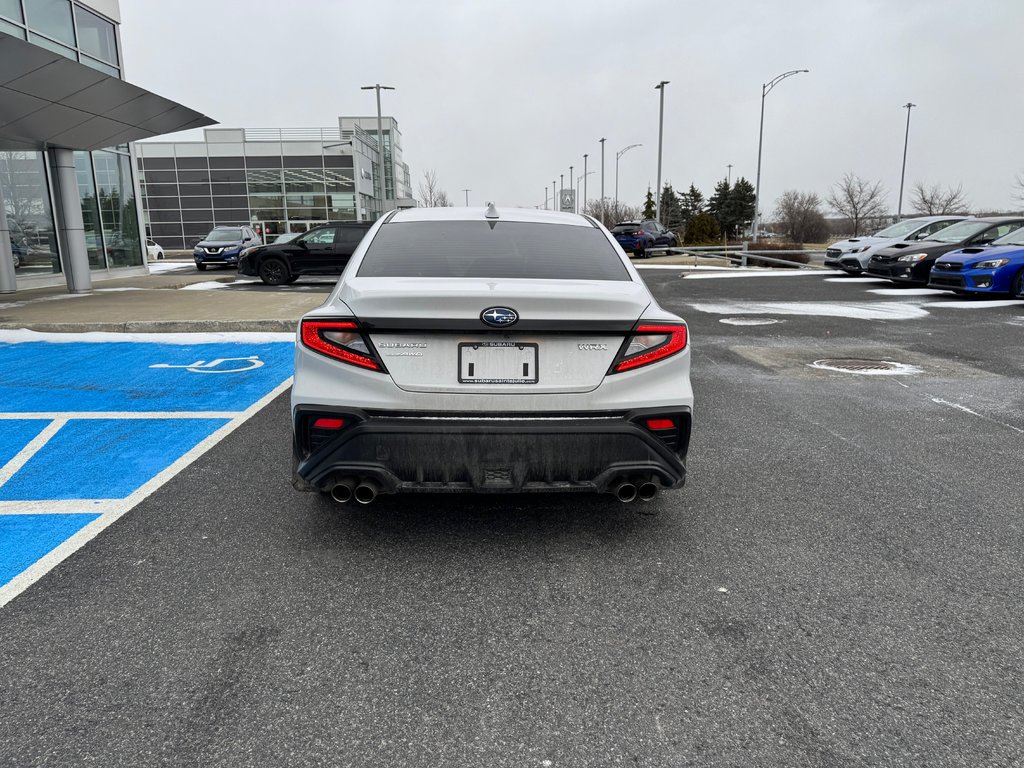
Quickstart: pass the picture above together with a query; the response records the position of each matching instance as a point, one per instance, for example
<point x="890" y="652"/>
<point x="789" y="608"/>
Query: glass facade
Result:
<point x="104" y="179"/>
<point x="66" y="28"/>
<point x="26" y="193"/>
<point x="186" y="197"/>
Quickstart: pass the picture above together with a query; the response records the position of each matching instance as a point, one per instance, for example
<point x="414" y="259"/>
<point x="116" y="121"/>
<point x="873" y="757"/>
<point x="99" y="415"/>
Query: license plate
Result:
<point x="497" y="362"/>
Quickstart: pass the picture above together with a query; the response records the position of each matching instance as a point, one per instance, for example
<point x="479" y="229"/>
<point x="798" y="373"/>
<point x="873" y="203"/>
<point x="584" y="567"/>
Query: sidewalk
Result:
<point x="178" y="301"/>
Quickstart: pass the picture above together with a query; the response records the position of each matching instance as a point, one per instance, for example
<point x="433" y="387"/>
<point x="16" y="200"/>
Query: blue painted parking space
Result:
<point x="105" y="458"/>
<point x="89" y="428"/>
<point x="121" y="376"/>
<point x="26" y="538"/>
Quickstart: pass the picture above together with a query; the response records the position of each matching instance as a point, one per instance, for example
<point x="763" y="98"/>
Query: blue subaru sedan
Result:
<point x="995" y="268"/>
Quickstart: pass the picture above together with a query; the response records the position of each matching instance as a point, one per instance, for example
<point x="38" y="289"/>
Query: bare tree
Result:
<point x="609" y="213"/>
<point x="936" y="201"/>
<point x="432" y="194"/>
<point x="1018" y="188"/>
<point x="800" y="215"/>
<point x="858" y="200"/>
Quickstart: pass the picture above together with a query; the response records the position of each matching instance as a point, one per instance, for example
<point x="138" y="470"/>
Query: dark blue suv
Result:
<point x="637" y="236"/>
<point x="223" y="246"/>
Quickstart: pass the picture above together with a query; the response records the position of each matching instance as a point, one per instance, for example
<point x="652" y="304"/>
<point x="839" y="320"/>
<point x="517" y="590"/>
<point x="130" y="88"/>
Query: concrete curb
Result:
<point x="161" y="326"/>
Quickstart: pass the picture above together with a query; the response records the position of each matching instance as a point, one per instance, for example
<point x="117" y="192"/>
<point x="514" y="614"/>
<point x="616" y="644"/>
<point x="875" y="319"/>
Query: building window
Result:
<point x="44" y="42"/>
<point x="90" y="210"/>
<point x="53" y="19"/>
<point x="118" y="214"/>
<point x="29" y="214"/>
<point x="96" y="36"/>
<point x="11" y="9"/>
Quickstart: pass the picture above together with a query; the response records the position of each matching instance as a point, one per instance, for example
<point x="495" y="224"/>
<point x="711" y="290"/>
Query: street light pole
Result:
<point x="619" y="154"/>
<point x="661" y="124"/>
<point x="554" y="197"/>
<point x="603" y="212"/>
<point x="380" y="137"/>
<point x="899" y="209"/>
<point x="467" y="191"/>
<point x="585" y="156"/>
<point x="574" y="191"/>
<point x="728" y="174"/>
<point x="561" y="186"/>
<point x="765" y="90"/>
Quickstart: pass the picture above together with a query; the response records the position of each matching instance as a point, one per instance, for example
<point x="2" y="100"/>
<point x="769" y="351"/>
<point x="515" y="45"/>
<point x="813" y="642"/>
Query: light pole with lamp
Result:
<point x="561" y="186"/>
<point x="899" y="208"/>
<point x="602" y="141"/>
<point x="573" y="191"/>
<point x="661" y="123"/>
<point x="582" y="177"/>
<point x="619" y="154"/>
<point x="765" y="90"/>
<point x="380" y="136"/>
<point x="554" y="197"/>
<point x="467" y="191"/>
<point x="585" y="174"/>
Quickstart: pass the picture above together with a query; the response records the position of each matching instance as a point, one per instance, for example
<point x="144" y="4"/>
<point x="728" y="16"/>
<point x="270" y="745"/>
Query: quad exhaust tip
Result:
<point x="366" y="492"/>
<point x="625" y="492"/>
<point x="646" y="491"/>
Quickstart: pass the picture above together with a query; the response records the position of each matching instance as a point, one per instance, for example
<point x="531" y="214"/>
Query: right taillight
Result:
<point x="341" y="340"/>
<point x="648" y="344"/>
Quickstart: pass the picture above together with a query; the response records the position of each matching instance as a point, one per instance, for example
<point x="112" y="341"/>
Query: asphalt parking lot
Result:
<point x="838" y="584"/>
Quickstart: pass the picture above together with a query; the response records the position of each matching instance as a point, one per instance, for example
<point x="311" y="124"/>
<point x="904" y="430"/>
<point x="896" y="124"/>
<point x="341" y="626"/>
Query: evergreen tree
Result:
<point x="691" y="203"/>
<point x="741" y="204"/>
<point x="649" y="209"/>
<point x="703" y="228"/>
<point x="719" y="200"/>
<point x="671" y="209"/>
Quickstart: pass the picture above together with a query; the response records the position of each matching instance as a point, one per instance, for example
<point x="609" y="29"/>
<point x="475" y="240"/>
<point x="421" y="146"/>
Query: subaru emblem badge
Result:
<point x="499" y="317"/>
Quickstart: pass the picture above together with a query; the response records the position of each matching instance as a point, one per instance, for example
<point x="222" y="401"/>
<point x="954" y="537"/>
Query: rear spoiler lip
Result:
<point x="474" y="325"/>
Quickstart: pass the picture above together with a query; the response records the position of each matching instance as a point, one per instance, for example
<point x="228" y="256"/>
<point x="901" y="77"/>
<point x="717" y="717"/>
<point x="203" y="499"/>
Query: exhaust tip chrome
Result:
<point x="341" y="491"/>
<point x="646" y="491"/>
<point x="366" y="492"/>
<point x="625" y="492"/>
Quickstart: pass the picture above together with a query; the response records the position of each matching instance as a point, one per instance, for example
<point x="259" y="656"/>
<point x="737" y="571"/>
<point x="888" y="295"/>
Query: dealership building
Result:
<point x="68" y="181"/>
<point x="277" y="180"/>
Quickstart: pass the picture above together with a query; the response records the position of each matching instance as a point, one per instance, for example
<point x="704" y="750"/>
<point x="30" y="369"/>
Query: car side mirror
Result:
<point x="246" y="239"/>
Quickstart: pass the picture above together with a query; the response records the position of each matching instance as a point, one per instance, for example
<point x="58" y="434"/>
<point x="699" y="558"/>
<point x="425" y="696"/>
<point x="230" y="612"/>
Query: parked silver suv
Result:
<point x="491" y="351"/>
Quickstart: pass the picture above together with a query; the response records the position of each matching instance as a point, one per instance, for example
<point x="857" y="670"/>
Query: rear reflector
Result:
<point x="660" y="424"/>
<point x="328" y="424"/>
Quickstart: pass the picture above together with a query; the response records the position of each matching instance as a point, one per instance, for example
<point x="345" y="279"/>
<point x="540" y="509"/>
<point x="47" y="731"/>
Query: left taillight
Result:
<point x="341" y="340"/>
<point x="648" y="344"/>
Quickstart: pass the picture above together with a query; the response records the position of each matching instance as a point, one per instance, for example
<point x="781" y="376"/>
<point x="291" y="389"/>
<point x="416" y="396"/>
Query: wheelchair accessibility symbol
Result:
<point x="220" y="365"/>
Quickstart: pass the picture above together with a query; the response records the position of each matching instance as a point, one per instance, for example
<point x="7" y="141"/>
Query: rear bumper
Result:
<point x="425" y="453"/>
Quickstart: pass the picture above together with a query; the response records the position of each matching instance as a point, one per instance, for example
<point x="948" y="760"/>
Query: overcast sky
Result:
<point x="502" y="97"/>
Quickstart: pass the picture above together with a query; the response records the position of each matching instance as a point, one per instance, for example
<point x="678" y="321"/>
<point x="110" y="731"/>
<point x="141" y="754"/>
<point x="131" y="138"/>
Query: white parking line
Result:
<point x="112" y="510"/>
<point x="35" y="444"/>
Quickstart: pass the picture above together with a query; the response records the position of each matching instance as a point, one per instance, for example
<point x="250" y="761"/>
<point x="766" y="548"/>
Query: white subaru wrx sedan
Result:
<point x="490" y="350"/>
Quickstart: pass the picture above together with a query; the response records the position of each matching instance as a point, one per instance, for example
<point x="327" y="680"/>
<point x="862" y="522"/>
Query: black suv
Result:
<point x="637" y="236"/>
<point x="324" y="250"/>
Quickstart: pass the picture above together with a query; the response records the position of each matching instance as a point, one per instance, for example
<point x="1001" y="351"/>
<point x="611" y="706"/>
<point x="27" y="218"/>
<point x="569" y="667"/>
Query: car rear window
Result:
<point x="619" y="228"/>
<point x="502" y="249"/>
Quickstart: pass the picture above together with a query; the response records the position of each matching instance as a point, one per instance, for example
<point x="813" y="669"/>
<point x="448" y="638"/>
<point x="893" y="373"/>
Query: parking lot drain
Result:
<point x="865" y="367"/>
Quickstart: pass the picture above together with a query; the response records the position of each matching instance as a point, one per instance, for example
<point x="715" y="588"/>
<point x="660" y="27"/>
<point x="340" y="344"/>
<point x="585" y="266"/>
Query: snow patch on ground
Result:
<point x="906" y="291"/>
<point x="749" y="321"/>
<point x="898" y="369"/>
<point x="856" y="280"/>
<point x="764" y="272"/>
<point x="207" y="286"/>
<point x="168" y="266"/>
<point x="881" y="310"/>
<point x="975" y="304"/>
<point x="24" y="335"/>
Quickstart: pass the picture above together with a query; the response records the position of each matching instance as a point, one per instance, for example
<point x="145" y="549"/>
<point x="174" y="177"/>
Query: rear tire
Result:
<point x="274" y="272"/>
<point x="292" y="279"/>
<point x="201" y="267"/>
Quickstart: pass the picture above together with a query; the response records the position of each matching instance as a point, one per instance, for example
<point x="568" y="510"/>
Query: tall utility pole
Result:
<point x="561" y="186"/>
<point x="467" y="191"/>
<point x="380" y="138"/>
<point x="574" y="191"/>
<point x="554" y="197"/>
<point x="765" y="90"/>
<point x="661" y="124"/>
<point x="603" y="211"/>
<point x="728" y="174"/>
<point x="899" y="208"/>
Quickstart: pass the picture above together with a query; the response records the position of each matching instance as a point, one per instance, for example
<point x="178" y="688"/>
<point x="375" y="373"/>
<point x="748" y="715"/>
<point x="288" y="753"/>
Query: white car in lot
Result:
<point x="490" y="350"/>
<point x="154" y="250"/>
<point x="854" y="254"/>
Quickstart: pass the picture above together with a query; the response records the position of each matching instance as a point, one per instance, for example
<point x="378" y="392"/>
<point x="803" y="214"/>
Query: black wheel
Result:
<point x="292" y="279"/>
<point x="274" y="272"/>
<point x="201" y="267"/>
<point x="1017" y="288"/>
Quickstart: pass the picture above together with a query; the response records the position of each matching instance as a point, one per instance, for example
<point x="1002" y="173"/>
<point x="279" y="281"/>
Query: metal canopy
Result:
<point x="49" y="100"/>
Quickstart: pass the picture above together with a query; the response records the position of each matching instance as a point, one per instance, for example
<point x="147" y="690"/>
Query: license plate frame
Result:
<point x="472" y="353"/>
